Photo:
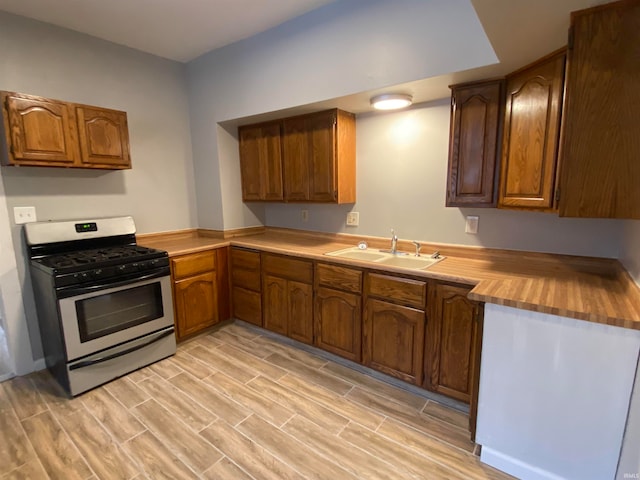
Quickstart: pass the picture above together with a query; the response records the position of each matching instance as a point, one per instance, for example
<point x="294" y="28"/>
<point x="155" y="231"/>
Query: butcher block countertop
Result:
<point x="592" y="289"/>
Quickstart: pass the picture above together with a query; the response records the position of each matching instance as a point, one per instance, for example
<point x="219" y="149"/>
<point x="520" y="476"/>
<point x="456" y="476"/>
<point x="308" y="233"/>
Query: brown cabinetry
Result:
<point x="338" y="310"/>
<point x="246" y="296"/>
<point x="453" y="344"/>
<point x="600" y="175"/>
<point x="476" y="118"/>
<point x="195" y="292"/>
<point x="393" y="330"/>
<point x="308" y="158"/>
<point x="287" y="296"/>
<point x="531" y="134"/>
<point x="261" y="161"/>
<point x="51" y="133"/>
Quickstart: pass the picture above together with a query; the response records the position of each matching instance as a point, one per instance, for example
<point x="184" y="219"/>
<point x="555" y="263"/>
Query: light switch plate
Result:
<point x="353" y="219"/>
<point x="304" y="215"/>
<point x="24" y="215"/>
<point x="472" y="224"/>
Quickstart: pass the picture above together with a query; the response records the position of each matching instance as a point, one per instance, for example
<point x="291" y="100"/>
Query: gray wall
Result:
<point x="347" y="47"/>
<point x="401" y="184"/>
<point x="630" y="254"/>
<point x="158" y="191"/>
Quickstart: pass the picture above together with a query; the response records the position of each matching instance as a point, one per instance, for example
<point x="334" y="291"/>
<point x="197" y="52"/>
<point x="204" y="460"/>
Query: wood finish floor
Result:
<point x="233" y="405"/>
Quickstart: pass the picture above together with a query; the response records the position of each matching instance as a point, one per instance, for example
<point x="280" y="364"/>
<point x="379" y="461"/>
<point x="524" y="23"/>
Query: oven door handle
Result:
<point x="67" y="292"/>
<point x="88" y="363"/>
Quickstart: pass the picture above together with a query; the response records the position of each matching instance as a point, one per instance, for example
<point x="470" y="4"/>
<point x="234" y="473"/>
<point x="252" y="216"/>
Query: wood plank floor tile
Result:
<point x="405" y="460"/>
<point x="292" y="353"/>
<point x="225" y="469"/>
<point x="24" y="397"/>
<point x="241" y="331"/>
<point x="339" y="404"/>
<point x="289" y="398"/>
<point x="140" y="374"/>
<point x="453" y="435"/>
<point x="178" y="403"/>
<point x="251" y="399"/>
<point x="15" y="449"/>
<point x="220" y="362"/>
<point x="446" y="414"/>
<point x="191" y="365"/>
<point x="249" y="455"/>
<point x="102" y="453"/>
<point x="165" y="368"/>
<point x="465" y="463"/>
<point x="397" y="394"/>
<point x="156" y="459"/>
<point x="242" y="343"/>
<point x="207" y="341"/>
<point x="31" y="470"/>
<point x="302" y="458"/>
<point x="312" y="374"/>
<point x="211" y="399"/>
<point x="112" y="414"/>
<point x="54" y="395"/>
<point x="5" y="403"/>
<point x="354" y="460"/>
<point x="192" y="449"/>
<point x="127" y="392"/>
<point x="54" y="448"/>
<point x="251" y="363"/>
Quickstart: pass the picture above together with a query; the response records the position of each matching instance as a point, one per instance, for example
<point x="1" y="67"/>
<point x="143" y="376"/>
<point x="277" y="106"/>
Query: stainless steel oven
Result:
<point x="104" y="303"/>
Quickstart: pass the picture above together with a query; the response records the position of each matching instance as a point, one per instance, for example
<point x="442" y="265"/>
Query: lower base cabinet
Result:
<point x="287" y="297"/>
<point x="338" y="319"/>
<point x="394" y="340"/>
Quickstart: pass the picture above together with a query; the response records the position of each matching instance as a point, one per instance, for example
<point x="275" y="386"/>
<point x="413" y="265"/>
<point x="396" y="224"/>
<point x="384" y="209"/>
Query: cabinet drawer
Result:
<point x="341" y="278"/>
<point x="398" y="290"/>
<point x="189" y="265"/>
<point x="245" y="259"/>
<point x="287" y="267"/>
<point x="249" y="279"/>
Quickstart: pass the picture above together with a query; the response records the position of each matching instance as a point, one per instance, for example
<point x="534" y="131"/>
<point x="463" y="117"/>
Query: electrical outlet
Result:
<point x="24" y="214"/>
<point x="353" y="219"/>
<point x="472" y="224"/>
<point x="304" y="215"/>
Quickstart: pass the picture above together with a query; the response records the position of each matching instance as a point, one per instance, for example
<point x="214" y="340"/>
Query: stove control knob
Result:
<point x="97" y="273"/>
<point x="122" y="268"/>
<point x="84" y="276"/>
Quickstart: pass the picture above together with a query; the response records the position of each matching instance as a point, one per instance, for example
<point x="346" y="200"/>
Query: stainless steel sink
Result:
<point x="400" y="259"/>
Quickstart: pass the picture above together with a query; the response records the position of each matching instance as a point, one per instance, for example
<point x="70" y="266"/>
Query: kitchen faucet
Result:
<point x="394" y="242"/>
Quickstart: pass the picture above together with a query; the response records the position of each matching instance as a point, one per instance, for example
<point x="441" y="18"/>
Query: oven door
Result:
<point x="101" y="319"/>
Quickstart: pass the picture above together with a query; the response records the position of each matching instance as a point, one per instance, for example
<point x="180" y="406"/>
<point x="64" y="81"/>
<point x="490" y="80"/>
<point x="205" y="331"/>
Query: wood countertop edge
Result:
<point x="484" y="289"/>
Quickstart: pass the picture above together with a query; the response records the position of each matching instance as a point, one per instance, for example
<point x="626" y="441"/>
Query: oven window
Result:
<point x="112" y="312"/>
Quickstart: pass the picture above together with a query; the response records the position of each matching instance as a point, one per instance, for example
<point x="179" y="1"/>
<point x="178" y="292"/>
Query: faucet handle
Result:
<point x="418" y="245"/>
<point x="393" y="233"/>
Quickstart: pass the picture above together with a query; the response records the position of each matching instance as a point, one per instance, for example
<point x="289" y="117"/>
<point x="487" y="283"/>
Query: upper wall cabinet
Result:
<point x="261" y="161"/>
<point x="51" y="133"/>
<point x="600" y="175"/>
<point x="308" y="158"/>
<point x="473" y="144"/>
<point x="531" y="134"/>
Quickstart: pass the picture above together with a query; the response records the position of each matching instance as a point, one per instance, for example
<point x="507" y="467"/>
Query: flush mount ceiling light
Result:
<point x="391" y="101"/>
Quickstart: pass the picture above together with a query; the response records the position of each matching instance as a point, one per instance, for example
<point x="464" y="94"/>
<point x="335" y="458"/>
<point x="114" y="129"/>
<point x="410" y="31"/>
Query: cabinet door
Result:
<point x="338" y="320"/>
<point x="39" y="131"/>
<point x="247" y="305"/>
<point x="104" y="137"/>
<point x="394" y="340"/>
<point x="196" y="303"/>
<point x="473" y="144"/>
<point x="600" y="173"/>
<point x="295" y="156"/>
<point x="300" y="311"/>
<point x="450" y="352"/>
<point x="531" y="135"/>
<point x="261" y="162"/>
<point x="321" y="129"/>
<point x="274" y="295"/>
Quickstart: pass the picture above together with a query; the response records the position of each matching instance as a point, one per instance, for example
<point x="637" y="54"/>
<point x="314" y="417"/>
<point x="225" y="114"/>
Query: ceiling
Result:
<point x="179" y="30"/>
<point x="520" y="31"/>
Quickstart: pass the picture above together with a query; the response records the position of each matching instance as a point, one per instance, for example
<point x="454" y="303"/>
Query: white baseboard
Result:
<point x="514" y="467"/>
<point x="6" y="376"/>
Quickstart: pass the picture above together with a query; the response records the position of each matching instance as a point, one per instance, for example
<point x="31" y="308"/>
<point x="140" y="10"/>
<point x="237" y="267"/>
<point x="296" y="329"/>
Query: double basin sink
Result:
<point x="380" y="257"/>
